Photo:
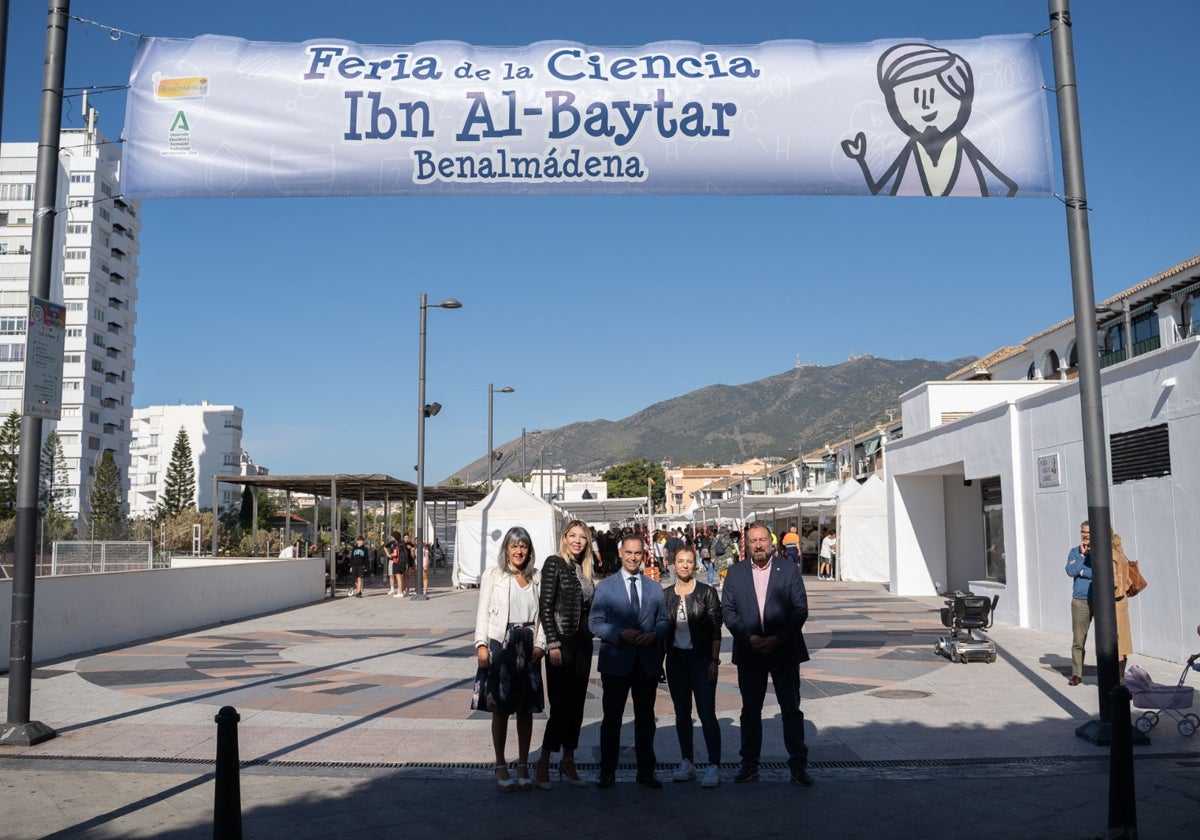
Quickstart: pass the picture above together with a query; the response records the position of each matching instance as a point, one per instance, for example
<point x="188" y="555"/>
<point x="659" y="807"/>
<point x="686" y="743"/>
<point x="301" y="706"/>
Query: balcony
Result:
<point x="1150" y="344"/>
<point x="114" y="328"/>
<point x="113" y="353"/>
<point x="1112" y="358"/>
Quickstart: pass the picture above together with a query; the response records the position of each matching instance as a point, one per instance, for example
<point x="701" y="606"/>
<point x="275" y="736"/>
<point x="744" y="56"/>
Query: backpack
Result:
<point x="721" y="545"/>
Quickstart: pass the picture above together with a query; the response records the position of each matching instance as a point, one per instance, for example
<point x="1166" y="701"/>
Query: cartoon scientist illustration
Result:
<point x="929" y="92"/>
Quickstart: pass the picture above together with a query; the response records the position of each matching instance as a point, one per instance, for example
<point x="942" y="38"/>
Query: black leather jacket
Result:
<point x="561" y="606"/>
<point x="703" y="616"/>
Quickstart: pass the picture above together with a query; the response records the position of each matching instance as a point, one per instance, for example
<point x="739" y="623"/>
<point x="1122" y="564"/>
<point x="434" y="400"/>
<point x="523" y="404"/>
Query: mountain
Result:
<point x="806" y="406"/>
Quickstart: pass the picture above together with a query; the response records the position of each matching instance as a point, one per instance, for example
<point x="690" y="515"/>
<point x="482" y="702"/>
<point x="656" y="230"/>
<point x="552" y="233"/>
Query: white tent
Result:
<point x="863" y="532"/>
<point x="481" y="527"/>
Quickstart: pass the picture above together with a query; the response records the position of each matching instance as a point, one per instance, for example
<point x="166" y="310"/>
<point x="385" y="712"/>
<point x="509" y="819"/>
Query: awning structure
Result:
<point x="604" y="510"/>
<point x="374" y="487"/>
<point x="758" y="505"/>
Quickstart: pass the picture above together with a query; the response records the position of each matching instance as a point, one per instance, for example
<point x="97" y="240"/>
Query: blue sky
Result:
<point x="304" y="311"/>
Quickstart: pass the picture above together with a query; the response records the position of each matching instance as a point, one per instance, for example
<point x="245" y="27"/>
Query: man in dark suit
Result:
<point x="765" y="606"/>
<point x="629" y="616"/>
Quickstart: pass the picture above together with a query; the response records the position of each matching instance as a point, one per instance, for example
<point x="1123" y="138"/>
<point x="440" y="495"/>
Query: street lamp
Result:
<point x="492" y="390"/>
<point x="424" y="411"/>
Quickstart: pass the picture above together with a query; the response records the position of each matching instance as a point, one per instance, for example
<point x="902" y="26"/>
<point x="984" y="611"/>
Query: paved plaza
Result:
<point x="356" y="722"/>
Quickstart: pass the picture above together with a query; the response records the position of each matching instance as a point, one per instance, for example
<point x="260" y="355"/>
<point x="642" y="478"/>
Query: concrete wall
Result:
<point x="74" y="614"/>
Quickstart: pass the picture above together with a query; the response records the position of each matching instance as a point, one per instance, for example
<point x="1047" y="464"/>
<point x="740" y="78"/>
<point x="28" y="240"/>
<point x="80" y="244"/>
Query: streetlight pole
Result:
<point x="423" y="411"/>
<point x="492" y="390"/>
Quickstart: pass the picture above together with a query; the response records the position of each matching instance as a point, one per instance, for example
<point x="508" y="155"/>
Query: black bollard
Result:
<point x="1122" y="802"/>
<point x="227" y="798"/>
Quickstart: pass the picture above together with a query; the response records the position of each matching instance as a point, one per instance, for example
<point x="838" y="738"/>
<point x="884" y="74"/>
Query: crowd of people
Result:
<point x="395" y="560"/>
<point x="613" y="587"/>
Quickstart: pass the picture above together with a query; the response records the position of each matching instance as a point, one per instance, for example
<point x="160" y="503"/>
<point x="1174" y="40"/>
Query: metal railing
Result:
<point x="84" y="557"/>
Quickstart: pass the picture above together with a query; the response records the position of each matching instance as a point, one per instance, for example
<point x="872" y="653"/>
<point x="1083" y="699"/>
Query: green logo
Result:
<point x="181" y="123"/>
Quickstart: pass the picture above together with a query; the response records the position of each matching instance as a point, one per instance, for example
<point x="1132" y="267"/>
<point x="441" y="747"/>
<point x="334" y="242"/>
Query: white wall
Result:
<point x="1155" y="516"/>
<point x="74" y="614"/>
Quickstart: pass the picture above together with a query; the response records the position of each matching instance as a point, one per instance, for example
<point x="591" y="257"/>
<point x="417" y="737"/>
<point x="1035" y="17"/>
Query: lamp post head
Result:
<point x="450" y="303"/>
<point x="507" y="390"/>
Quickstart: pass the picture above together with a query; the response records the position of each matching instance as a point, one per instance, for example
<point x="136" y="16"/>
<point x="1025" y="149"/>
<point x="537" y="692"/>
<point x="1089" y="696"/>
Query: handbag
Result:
<point x="1136" y="582"/>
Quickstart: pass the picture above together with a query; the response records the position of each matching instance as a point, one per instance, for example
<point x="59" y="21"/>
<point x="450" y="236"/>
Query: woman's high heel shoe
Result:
<point x="566" y="770"/>
<point x="541" y="771"/>
<point x="506" y="784"/>
<point x="524" y="782"/>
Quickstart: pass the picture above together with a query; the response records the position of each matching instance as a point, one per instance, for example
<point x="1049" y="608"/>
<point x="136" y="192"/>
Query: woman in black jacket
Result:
<point x="568" y="583"/>
<point x="693" y="647"/>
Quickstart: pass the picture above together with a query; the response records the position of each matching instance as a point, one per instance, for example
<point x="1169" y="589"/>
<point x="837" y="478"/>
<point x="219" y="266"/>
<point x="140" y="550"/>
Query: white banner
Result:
<point x="218" y="116"/>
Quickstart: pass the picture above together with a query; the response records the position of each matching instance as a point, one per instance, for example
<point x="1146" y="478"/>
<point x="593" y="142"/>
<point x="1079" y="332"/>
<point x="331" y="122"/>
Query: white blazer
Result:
<point x="491" y="618"/>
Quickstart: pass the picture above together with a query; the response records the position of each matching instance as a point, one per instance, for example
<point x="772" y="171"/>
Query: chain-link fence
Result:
<point x="88" y="557"/>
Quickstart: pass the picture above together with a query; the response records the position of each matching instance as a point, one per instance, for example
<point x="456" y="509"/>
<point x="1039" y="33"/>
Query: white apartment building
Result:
<point x="215" y="436"/>
<point x="95" y="274"/>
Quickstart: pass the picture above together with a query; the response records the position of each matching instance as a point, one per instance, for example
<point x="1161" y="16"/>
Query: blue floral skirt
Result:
<point x="512" y="682"/>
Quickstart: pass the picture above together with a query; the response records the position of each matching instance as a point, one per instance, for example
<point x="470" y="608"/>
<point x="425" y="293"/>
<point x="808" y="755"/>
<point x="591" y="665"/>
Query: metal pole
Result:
<point x="1090" y="398"/>
<point x="420" y="595"/>
<point x="523" y="475"/>
<point x="19" y="730"/>
<point x="490" y="459"/>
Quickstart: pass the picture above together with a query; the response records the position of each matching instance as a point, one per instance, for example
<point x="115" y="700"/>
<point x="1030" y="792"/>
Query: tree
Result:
<point x="628" y="480"/>
<point x="52" y="476"/>
<point x="10" y="447"/>
<point x="106" y="516"/>
<point x="179" y="491"/>
<point x="56" y="524"/>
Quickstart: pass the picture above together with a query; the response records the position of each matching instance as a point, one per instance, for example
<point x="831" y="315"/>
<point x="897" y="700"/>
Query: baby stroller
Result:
<point x="1166" y="699"/>
<point x="964" y="612"/>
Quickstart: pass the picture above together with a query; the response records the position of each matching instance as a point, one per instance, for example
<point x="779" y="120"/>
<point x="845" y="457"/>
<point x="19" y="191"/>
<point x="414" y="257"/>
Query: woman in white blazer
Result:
<point x="509" y="646"/>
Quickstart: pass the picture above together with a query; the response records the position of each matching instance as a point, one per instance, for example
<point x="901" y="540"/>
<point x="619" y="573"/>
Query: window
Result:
<point x="11" y="379"/>
<point x="1144" y="330"/>
<point x="77" y="254"/>
<point x="105" y="188"/>
<point x="75" y="280"/>
<point x="70" y="411"/>
<point x="75" y="332"/>
<point x="993" y="529"/>
<point x="79" y="227"/>
<point x="93" y="442"/>
<point x="12" y="352"/>
<point x="98" y="313"/>
<point x="81" y="178"/>
<point x="16" y="192"/>
<point x="103" y="214"/>
<point x="72" y="385"/>
<point x="72" y="359"/>
<point x="94" y="417"/>
<point x="12" y="326"/>
<point x="97" y="366"/>
<point x="75" y="306"/>
<point x="153" y="460"/>
<point x="96" y="391"/>
<point x="98" y="340"/>
<point x="79" y="202"/>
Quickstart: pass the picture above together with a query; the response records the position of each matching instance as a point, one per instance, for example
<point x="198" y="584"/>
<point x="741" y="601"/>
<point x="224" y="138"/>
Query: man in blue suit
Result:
<point x="629" y="616"/>
<point x="765" y="606"/>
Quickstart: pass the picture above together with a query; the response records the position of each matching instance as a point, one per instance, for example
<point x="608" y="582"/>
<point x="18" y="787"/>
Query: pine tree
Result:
<point x="53" y="476"/>
<point x="56" y="524"/>
<point x="10" y="447"/>
<point x="179" y="492"/>
<point x="104" y="500"/>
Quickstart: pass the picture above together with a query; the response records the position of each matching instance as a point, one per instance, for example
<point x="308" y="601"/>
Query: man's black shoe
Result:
<point x="606" y="782"/>
<point x="801" y="777"/>
<point x="650" y="781"/>
<point x="746" y="774"/>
